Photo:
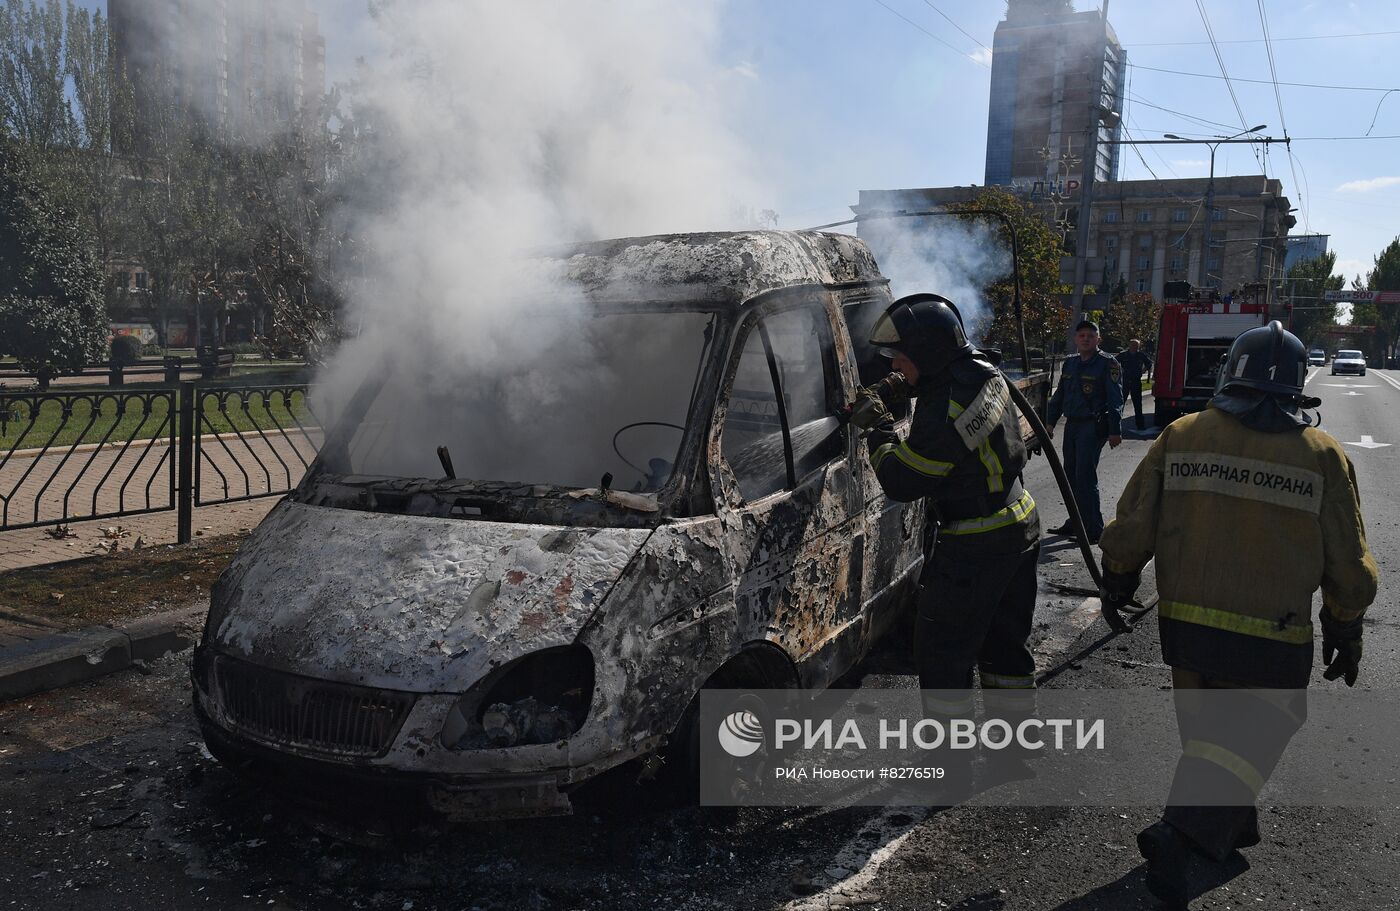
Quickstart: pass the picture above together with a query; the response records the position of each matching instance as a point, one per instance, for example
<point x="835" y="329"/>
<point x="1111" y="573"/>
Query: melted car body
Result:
<point x="491" y="641"/>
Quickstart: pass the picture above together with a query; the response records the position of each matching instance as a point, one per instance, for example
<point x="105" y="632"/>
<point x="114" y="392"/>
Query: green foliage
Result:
<point x="1385" y="317"/>
<point x="1130" y="315"/>
<point x="33" y="105"/>
<point x="1306" y="284"/>
<point x="51" y="309"/>
<point x="1046" y="319"/>
<point x="126" y="350"/>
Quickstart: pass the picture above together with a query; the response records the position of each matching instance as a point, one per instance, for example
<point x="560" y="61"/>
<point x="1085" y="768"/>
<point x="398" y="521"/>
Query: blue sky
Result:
<point x="871" y="94"/>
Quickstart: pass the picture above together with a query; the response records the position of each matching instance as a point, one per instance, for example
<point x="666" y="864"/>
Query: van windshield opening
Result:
<point x="613" y="397"/>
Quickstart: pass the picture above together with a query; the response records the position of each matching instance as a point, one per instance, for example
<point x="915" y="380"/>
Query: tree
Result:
<point x="1385" y="317"/>
<point x="1130" y="315"/>
<point x="1306" y="283"/>
<point x="1046" y="318"/>
<point x="51" y="311"/>
<point x="33" y="104"/>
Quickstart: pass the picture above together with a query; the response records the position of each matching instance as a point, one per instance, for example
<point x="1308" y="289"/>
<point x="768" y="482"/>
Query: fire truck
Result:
<point x="1198" y="326"/>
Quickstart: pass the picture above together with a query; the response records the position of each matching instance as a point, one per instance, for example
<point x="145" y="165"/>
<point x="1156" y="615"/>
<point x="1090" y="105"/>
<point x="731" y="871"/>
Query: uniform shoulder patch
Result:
<point x="984" y="414"/>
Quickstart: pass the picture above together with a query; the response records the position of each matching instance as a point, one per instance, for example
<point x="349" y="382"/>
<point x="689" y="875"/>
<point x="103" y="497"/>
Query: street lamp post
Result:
<point x="1210" y="190"/>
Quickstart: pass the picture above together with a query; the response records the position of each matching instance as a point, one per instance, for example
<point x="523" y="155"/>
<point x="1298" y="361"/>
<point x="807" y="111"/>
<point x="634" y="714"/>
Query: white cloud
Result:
<point x="1189" y="162"/>
<point x="1366" y="186"/>
<point x="1350" y="268"/>
<point x="982" y="55"/>
<point x="745" y="69"/>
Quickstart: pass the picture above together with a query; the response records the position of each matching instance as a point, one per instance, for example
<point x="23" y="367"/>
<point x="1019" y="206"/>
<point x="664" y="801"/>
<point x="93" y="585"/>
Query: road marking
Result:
<point x="1389" y="379"/>
<point x="890" y="829"/>
<point x="1312" y="376"/>
<point x="1348" y="386"/>
<point x="1367" y="443"/>
<point x="1353" y="393"/>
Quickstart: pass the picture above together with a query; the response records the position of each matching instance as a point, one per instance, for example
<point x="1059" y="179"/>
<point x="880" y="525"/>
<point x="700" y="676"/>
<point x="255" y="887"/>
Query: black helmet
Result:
<point x="927" y="328"/>
<point x="1269" y="359"/>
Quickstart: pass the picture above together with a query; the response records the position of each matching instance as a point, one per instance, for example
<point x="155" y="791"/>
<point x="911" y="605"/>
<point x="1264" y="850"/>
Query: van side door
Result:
<point x="786" y="491"/>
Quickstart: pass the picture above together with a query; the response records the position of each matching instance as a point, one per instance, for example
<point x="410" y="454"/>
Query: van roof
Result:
<point x="723" y="269"/>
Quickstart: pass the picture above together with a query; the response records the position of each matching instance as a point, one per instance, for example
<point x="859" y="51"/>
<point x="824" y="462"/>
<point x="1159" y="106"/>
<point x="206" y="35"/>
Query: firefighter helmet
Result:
<point x="1269" y="359"/>
<point x="927" y="328"/>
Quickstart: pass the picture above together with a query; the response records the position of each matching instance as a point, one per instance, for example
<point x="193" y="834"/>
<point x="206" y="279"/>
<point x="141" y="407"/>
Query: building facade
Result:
<point x="1149" y="232"/>
<point x="247" y="67"/>
<point x="1053" y="70"/>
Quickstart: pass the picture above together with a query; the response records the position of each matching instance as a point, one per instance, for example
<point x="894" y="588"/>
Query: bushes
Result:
<point x="126" y="350"/>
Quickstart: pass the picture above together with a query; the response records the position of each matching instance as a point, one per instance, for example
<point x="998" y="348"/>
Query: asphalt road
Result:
<point x="108" y="799"/>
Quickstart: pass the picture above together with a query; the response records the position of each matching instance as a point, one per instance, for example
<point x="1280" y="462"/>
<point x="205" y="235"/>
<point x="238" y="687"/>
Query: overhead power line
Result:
<point x="1220" y="59"/>
<point x="1283" y="121"/>
<point x="955" y="25"/>
<point x="916" y="25"/>
<point x="1192" y="117"/>
<point x="1259" y="40"/>
<point x="1301" y="85"/>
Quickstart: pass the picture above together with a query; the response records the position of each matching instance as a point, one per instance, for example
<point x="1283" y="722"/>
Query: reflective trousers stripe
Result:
<point x="1006" y="681"/>
<point x="1009" y="515"/>
<point x="1236" y="623"/>
<point x="1230" y="761"/>
<point x="956" y="707"/>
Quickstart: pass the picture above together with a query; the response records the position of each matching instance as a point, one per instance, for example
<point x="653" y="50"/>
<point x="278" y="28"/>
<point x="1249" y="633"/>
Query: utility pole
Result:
<point x="1210" y="185"/>
<point x="1086" y="186"/>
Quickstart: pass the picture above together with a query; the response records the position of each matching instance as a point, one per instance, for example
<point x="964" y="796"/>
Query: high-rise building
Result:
<point x="248" y="67"/>
<point x="1053" y="71"/>
<point x="1305" y="247"/>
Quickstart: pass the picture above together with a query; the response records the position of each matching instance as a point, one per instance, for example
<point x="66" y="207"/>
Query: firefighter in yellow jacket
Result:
<point x="1247" y="509"/>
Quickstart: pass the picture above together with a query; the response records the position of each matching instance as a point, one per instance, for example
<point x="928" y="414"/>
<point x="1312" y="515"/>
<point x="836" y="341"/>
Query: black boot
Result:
<point x="1168" y="856"/>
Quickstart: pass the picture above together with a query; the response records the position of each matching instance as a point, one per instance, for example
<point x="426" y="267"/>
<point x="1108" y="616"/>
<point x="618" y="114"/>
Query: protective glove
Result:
<point x="869" y="409"/>
<point x="1341" y="647"/>
<point x="1116" y="594"/>
<point x="895" y="389"/>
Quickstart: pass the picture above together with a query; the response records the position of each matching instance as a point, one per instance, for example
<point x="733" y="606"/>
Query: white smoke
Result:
<point x="955" y="257"/>
<point x="502" y="129"/>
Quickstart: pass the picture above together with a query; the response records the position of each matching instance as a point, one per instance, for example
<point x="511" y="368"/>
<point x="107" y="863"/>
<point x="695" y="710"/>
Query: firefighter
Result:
<point x="1221" y="495"/>
<point x="1090" y="396"/>
<point x="964" y="453"/>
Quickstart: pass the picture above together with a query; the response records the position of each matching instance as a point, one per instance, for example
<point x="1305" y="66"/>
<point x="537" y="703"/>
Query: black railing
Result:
<point x="76" y="456"/>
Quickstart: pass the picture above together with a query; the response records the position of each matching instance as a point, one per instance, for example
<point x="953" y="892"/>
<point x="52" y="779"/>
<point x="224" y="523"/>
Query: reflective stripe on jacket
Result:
<point x="964" y="442"/>
<point x="1244" y="527"/>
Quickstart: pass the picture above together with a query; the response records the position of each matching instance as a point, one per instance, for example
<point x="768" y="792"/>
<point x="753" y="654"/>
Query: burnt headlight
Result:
<point x="540" y="698"/>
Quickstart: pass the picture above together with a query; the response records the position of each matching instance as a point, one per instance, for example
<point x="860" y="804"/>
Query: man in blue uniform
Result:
<point x="1090" y="398"/>
<point x="1136" y="364"/>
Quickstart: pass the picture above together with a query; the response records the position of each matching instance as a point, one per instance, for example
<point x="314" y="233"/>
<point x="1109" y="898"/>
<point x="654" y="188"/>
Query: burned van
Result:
<point x="490" y="594"/>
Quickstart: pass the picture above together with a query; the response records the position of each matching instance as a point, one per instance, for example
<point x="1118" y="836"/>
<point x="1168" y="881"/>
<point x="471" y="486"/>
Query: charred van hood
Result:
<point x="409" y="602"/>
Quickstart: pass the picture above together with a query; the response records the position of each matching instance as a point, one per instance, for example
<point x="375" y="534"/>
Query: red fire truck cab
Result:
<point x="1195" y="335"/>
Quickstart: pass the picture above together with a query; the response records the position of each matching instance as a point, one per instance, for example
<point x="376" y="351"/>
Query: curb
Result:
<point x="63" y="659"/>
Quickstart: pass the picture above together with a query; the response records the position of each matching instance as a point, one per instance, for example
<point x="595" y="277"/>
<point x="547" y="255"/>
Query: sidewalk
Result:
<point x="38" y="546"/>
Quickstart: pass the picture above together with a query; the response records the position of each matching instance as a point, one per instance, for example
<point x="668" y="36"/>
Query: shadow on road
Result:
<point x="1129" y="890"/>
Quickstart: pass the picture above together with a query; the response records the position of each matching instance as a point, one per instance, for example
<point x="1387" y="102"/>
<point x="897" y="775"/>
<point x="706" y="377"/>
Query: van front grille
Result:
<point x="315" y="715"/>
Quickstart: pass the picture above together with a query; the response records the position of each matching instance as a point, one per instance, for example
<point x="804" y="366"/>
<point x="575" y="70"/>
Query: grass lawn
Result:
<point x="124" y="586"/>
<point x="116" y="415"/>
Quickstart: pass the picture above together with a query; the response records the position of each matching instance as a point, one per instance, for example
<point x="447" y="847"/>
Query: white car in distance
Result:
<point x="1349" y="362"/>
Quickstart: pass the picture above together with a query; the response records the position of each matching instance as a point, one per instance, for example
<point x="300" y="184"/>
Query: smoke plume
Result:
<point x="502" y="129"/>
<point x="954" y="257"/>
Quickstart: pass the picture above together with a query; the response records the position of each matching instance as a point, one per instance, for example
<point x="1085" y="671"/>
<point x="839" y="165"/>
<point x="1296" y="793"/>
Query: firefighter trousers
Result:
<point x="975" y="611"/>
<point x="1231" y="740"/>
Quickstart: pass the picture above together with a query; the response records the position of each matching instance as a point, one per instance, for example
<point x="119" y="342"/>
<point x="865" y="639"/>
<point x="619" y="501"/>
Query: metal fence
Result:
<point x="75" y="456"/>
